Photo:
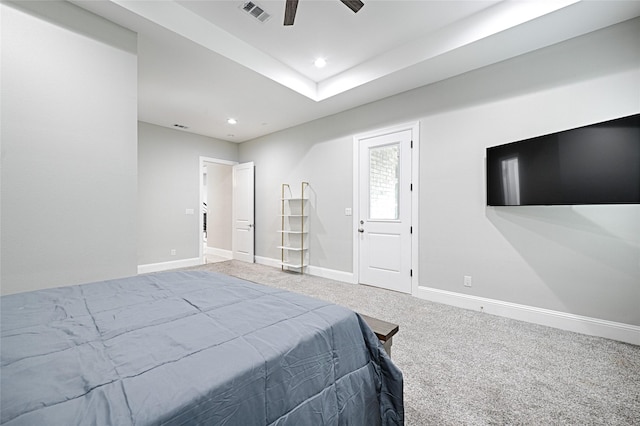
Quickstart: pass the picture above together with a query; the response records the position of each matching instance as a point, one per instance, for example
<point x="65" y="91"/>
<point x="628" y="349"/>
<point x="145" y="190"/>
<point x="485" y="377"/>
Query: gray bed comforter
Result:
<point x="190" y="348"/>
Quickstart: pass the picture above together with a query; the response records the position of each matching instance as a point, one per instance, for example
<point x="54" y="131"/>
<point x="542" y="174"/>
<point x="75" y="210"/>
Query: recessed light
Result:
<point x="320" y="62"/>
<point x="232" y="121"/>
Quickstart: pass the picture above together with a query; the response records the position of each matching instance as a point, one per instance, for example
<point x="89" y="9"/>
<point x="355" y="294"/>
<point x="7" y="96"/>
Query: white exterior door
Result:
<point x="384" y="222"/>
<point x="243" y="212"/>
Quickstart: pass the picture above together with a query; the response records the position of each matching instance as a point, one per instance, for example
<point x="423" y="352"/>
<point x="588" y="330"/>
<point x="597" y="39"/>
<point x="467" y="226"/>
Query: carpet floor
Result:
<point x="463" y="367"/>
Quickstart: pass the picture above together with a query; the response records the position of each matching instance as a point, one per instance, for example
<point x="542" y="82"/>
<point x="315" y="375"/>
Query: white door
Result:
<point x="242" y="242"/>
<point x="384" y="223"/>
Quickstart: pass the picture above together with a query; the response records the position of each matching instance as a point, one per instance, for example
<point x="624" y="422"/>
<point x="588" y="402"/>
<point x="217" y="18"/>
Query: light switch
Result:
<point x="347" y="211"/>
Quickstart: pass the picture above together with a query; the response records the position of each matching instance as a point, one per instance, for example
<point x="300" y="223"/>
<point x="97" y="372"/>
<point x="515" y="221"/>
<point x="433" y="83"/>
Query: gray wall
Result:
<point x="169" y="184"/>
<point x="69" y="162"/>
<point x="68" y="197"/>
<point x="583" y="260"/>
<point x="219" y="203"/>
<point x="315" y="154"/>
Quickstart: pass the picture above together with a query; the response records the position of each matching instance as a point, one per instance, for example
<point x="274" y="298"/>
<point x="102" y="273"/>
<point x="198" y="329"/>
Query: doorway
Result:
<point x="226" y="217"/>
<point x="385" y="208"/>
<point x="216" y="211"/>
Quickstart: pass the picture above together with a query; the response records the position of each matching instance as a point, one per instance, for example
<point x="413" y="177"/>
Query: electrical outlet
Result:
<point x="173" y="252"/>
<point x="467" y="280"/>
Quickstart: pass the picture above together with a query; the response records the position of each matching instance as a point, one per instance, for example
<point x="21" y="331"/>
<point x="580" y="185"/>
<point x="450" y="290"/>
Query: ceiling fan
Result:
<point x="292" y="6"/>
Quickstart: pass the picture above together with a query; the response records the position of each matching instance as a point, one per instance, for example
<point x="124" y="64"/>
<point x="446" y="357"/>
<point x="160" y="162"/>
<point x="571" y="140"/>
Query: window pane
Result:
<point x="384" y="170"/>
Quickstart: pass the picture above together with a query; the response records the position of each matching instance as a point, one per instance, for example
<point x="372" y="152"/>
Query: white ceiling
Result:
<point x="202" y="62"/>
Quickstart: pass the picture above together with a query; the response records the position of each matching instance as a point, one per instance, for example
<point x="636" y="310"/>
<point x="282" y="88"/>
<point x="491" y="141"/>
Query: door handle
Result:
<point x="360" y="230"/>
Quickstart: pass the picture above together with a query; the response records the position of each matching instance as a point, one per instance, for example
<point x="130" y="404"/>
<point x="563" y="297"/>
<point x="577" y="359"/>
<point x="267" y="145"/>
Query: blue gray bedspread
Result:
<point x="190" y="348"/>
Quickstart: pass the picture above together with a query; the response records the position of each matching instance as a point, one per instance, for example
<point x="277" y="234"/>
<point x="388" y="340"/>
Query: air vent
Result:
<point x="256" y="11"/>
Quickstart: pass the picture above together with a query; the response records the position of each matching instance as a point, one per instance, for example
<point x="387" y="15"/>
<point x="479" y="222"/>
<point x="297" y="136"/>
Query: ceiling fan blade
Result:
<point x="290" y="12"/>
<point x="354" y="5"/>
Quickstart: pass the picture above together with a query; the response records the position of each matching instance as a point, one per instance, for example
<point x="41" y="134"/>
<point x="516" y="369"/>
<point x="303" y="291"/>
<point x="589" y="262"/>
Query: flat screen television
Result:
<point x="595" y="164"/>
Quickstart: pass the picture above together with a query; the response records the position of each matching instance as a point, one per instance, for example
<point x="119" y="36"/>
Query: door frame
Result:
<point x="202" y="161"/>
<point x="414" y="127"/>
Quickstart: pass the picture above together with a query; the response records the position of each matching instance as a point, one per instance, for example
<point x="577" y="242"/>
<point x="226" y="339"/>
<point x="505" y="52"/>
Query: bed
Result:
<point x="190" y="347"/>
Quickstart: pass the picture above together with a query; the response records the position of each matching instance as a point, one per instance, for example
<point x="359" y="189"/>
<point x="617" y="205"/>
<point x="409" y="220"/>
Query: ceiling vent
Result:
<point x="256" y="11"/>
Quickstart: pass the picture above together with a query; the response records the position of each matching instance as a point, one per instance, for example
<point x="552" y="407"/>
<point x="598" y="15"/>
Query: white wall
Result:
<point x="582" y="260"/>
<point x="579" y="259"/>
<point x="305" y="153"/>
<point x="73" y="174"/>
<point x="168" y="184"/>
<point x="69" y="108"/>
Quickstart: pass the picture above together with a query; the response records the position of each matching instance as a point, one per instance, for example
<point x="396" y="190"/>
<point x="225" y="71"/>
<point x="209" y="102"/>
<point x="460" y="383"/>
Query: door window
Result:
<point x="384" y="191"/>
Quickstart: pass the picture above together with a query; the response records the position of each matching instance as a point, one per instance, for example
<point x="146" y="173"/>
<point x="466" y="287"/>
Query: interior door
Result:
<point x="384" y="225"/>
<point x="243" y="212"/>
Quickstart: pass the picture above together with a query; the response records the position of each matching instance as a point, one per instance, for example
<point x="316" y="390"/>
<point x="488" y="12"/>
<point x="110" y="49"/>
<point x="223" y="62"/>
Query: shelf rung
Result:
<point x="295" y="265"/>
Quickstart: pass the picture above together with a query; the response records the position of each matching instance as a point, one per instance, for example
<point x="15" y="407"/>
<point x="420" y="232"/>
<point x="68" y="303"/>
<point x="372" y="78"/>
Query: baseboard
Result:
<point x="165" y="266"/>
<point x="564" y="321"/>
<point x="317" y="271"/>
<point x="227" y="254"/>
<point x="267" y="261"/>
<point x="331" y="274"/>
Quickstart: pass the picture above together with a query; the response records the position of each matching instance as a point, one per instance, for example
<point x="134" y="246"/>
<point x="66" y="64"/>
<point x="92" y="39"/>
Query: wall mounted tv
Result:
<point x="595" y="164"/>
